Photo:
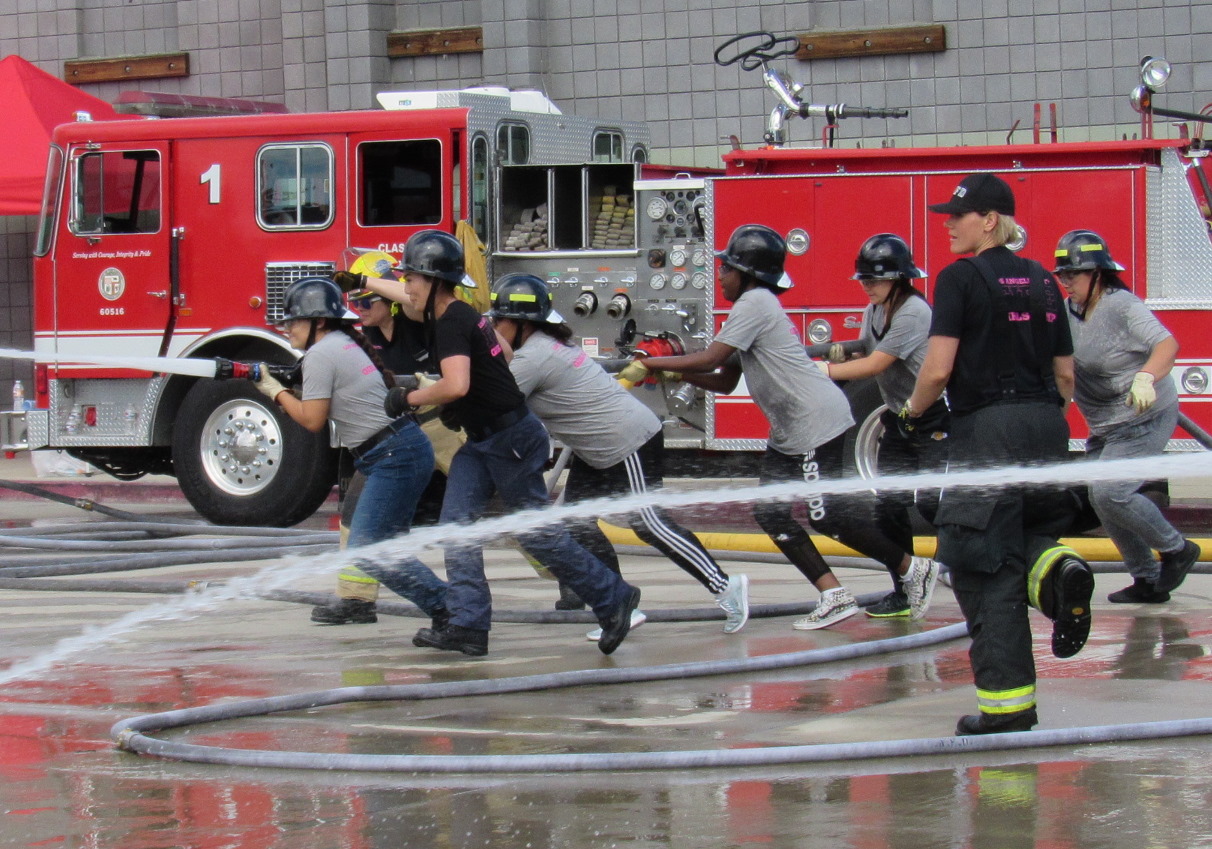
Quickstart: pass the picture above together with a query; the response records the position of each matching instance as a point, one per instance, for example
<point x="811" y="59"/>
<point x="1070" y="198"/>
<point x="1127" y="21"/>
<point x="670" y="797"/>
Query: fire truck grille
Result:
<point x="279" y="275"/>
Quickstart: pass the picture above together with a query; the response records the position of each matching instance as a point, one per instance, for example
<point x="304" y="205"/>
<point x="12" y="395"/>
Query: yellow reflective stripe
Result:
<point x="355" y="575"/>
<point x="1006" y="701"/>
<point x="1041" y="568"/>
<point x="1093" y="247"/>
<point x="522" y="296"/>
<point x="493" y="296"/>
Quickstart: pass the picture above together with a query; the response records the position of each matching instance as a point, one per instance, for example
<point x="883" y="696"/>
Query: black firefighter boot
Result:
<point x="1072" y="586"/>
<point x="470" y="641"/>
<point x="345" y="611"/>
<point x="990" y="723"/>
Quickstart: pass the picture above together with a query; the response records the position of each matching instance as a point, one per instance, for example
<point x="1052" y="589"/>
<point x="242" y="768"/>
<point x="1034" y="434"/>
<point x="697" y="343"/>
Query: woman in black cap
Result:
<point x="1000" y="346"/>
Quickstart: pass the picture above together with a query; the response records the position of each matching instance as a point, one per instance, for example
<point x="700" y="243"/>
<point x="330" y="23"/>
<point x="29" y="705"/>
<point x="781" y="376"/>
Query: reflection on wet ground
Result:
<point x="63" y="783"/>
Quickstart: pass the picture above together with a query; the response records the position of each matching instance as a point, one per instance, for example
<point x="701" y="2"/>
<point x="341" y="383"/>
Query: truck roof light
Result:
<point x="1154" y="72"/>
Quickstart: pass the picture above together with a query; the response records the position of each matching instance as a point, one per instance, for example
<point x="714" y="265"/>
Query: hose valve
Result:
<point x="681" y="399"/>
<point x="586" y="304"/>
<point x="619" y="306"/>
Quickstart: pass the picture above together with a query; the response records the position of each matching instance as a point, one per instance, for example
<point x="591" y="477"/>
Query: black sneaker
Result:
<point x="617" y="624"/>
<point x="893" y="604"/>
<point x="1175" y="565"/>
<point x="470" y="641"/>
<point x="1073" y="586"/>
<point x="345" y="611"/>
<point x="569" y="600"/>
<point x="1142" y="591"/>
<point x="989" y="723"/>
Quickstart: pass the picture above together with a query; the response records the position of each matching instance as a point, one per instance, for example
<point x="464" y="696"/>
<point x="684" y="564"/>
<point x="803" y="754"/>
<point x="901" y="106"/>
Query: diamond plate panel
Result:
<point x="1180" y="252"/>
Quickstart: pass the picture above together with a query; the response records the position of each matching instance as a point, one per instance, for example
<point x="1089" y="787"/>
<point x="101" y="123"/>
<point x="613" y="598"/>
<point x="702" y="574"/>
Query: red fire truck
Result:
<point x="177" y="238"/>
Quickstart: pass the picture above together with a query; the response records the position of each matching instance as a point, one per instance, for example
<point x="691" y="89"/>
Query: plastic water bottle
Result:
<point x="18" y="396"/>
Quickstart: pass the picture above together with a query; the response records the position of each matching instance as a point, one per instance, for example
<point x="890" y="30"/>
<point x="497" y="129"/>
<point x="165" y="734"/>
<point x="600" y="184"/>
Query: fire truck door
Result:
<point x="114" y="288"/>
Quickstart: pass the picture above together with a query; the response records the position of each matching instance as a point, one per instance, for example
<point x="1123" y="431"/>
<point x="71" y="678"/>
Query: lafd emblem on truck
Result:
<point x="111" y="284"/>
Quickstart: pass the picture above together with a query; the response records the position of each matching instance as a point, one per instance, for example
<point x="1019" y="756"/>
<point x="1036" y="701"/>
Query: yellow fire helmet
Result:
<point x="370" y="263"/>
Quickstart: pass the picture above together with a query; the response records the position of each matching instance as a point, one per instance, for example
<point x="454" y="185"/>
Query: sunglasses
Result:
<point x="364" y="303"/>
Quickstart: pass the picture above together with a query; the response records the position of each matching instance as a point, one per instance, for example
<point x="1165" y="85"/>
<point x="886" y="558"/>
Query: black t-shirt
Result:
<point x="963" y="309"/>
<point x="461" y="331"/>
<point x="406" y="352"/>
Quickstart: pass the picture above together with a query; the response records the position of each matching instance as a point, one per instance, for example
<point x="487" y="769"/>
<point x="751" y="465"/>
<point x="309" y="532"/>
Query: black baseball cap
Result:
<point x="979" y="193"/>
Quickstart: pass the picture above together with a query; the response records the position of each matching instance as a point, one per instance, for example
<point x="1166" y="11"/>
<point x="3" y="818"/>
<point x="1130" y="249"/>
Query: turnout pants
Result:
<point x="990" y="539"/>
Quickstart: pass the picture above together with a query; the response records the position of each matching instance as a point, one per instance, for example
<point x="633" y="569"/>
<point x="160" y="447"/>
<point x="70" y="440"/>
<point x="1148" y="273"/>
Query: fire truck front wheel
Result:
<point x="240" y="460"/>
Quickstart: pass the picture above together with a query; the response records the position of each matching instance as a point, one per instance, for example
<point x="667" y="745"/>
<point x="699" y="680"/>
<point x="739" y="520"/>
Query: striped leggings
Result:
<point x="638" y="473"/>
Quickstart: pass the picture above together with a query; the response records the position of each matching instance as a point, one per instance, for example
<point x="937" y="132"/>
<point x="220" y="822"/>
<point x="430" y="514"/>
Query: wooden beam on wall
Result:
<point x="126" y="68"/>
<point x="837" y="44"/>
<point x="434" y="42"/>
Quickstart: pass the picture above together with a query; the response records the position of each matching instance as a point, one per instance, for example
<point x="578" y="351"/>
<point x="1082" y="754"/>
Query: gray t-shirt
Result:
<point x="804" y="407"/>
<point x="1109" y="348"/>
<point x="906" y="340"/>
<point x="338" y="369"/>
<point x="581" y="405"/>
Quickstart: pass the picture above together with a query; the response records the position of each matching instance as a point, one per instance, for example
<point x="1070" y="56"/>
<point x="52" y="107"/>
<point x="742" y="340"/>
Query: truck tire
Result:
<point x="240" y="460"/>
<point x="863" y="440"/>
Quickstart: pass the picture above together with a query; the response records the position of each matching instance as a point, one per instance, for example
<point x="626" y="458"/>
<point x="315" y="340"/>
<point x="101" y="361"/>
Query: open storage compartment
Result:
<point x="610" y="206"/>
<point x="525" y="209"/>
<point x="566" y="207"/>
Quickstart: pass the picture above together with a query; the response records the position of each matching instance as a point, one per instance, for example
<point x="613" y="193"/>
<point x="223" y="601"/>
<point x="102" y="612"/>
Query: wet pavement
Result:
<point x="64" y="782"/>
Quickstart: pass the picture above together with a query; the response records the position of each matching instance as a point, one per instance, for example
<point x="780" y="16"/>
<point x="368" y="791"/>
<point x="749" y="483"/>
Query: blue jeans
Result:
<point x="511" y="462"/>
<point x="1133" y="522"/>
<point x="397" y="471"/>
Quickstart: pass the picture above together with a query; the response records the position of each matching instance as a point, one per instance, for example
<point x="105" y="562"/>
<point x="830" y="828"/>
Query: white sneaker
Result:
<point x="735" y="602"/>
<point x="919" y="584"/>
<point x="637" y="619"/>
<point x="834" y="606"/>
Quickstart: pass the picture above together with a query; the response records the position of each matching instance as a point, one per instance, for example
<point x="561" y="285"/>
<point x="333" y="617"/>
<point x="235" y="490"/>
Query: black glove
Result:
<point x="906" y="426"/>
<point x="396" y="404"/>
<point x="348" y="282"/>
<point x="931" y="426"/>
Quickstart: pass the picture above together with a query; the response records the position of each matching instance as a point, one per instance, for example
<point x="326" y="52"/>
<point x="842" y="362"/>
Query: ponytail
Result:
<point x="389" y="379"/>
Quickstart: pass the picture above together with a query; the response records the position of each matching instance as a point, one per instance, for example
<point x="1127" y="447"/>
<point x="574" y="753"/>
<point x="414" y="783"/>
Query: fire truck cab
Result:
<point x="177" y="238"/>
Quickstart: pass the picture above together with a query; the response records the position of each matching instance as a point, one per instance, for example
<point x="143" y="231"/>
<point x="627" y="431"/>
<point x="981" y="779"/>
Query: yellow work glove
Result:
<point x="268" y="384"/>
<point x="669" y="376"/>
<point x="837" y="354"/>
<point x="823" y="365"/>
<point x="424" y="380"/>
<point x="1141" y="395"/>
<point x="633" y="373"/>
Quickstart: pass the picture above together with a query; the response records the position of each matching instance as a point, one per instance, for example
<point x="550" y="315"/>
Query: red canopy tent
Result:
<point x="33" y="103"/>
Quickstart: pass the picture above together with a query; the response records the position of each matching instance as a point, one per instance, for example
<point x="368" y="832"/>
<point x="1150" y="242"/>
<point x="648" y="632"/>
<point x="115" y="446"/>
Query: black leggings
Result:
<point x="636" y="474"/>
<point x="850" y="519"/>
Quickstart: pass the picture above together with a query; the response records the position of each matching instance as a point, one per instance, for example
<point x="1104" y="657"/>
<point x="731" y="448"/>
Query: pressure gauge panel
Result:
<point x="657" y="281"/>
<point x="699" y="280"/>
<point x="677" y="257"/>
<point x="700" y="257"/>
<point x="657" y="207"/>
<point x="678" y="281"/>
